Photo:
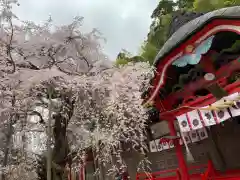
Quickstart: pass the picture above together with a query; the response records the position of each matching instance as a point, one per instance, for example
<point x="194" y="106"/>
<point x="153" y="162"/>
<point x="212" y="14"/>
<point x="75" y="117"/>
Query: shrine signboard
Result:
<point x="159" y="145"/>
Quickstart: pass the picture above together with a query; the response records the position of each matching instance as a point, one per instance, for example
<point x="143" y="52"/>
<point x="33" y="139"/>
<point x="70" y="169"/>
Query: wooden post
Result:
<point x="182" y="164"/>
<point x="82" y="173"/>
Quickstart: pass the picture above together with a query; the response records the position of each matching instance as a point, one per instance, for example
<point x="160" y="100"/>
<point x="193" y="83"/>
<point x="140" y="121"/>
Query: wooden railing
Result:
<point x="174" y="174"/>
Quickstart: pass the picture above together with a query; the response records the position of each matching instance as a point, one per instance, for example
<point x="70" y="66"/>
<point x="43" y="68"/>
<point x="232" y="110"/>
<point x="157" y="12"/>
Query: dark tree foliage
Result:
<point x="168" y="12"/>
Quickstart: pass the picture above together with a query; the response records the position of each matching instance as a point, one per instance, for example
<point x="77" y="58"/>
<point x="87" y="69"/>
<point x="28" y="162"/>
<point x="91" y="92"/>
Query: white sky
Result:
<point x="124" y="23"/>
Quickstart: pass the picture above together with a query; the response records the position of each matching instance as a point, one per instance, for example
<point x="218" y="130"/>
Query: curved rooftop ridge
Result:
<point x="189" y="28"/>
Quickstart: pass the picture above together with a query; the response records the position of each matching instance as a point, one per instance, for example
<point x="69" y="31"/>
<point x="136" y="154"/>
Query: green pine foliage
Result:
<point x="161" y="19"/>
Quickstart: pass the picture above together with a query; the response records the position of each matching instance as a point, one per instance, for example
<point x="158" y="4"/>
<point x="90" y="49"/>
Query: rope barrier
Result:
<point x="225" y="104"/>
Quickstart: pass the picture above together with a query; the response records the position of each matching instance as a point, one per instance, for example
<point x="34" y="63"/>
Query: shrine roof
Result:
<point x="191" y="27"/>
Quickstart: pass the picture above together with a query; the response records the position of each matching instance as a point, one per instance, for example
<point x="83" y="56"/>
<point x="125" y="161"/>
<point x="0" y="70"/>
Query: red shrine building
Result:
<point x="196" y="95"/>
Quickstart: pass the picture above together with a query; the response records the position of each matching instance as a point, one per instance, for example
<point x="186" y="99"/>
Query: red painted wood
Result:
<point x="199" y="102"/>
<point x="198" y="176"/>
<point x="210" y="173"/>
<point x="165" y="61"/>
<point x="165" y="107"/>
<point x="179" y="153"/>
<point x="82" y="173"/>
<point x="189" y="89"/>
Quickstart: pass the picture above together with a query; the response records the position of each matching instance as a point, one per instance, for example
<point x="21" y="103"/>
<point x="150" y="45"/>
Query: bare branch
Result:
<point x="9" y="48"/>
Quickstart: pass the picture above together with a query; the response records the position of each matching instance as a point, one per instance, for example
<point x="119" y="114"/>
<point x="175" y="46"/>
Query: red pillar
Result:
<point x="82" y="172"/>
<point x="179" y="153"/>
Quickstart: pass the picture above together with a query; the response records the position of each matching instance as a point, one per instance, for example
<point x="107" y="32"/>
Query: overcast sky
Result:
<point x="124" y="23"/>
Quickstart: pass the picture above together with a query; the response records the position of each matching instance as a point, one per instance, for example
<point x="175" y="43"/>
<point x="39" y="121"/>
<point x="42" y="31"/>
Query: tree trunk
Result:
<point x="61" y="148"/>
<point x="7" y="145"/>
<point x="60" y="152"/>
<point x="11" y="121"/>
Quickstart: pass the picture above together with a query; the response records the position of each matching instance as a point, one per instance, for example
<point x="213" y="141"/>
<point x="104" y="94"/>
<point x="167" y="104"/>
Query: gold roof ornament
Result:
<point x="189" y="49"/>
